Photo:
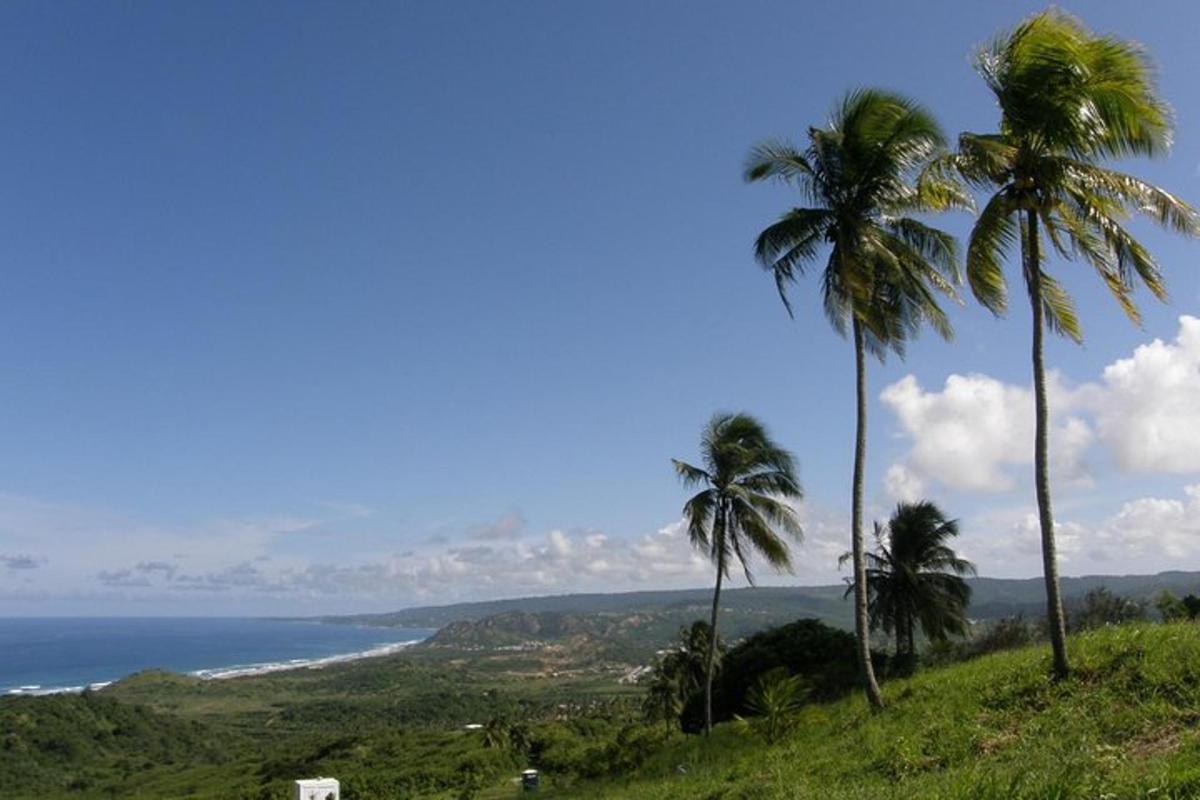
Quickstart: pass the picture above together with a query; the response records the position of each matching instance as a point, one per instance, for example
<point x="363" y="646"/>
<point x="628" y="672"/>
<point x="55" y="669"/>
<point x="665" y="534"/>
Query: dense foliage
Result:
<point x="824" y="657"/>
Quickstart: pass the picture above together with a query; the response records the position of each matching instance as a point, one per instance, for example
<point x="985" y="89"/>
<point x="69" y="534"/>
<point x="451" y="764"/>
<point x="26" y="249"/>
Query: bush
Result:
<point x="823" y="656"/>
<point x="1101" y="607"/>
<point x="1170" y="608"/>
<point x="1006" y="634"/>
<point x="773" y="703"/>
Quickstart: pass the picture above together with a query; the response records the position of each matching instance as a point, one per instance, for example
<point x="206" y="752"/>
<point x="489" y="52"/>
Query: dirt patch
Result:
<point x="1155" y="743"/>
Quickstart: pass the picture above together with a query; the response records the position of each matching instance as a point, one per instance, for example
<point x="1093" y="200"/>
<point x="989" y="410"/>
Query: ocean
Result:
<point x="51" y="654"/>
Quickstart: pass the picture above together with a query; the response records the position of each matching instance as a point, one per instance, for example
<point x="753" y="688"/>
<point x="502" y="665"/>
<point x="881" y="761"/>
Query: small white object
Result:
<point x="317" y="789"/>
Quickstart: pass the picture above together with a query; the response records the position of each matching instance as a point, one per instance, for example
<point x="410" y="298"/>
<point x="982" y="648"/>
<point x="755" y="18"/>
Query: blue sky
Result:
<point x="337" y="306"/>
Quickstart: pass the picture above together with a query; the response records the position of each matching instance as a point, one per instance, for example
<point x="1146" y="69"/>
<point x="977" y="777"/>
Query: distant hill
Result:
<point x="651" y="619"/>
<point x="823" y="602"/>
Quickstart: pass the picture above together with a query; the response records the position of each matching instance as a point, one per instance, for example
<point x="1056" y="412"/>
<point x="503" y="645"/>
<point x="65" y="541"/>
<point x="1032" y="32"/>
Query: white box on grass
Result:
<point x="317" y="789"/>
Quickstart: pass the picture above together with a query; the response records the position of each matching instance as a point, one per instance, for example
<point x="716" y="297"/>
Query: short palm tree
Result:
<point x="749" y="485"/>
<point x="914" y="578"/>
<point x="1068" y="100"/>
<point x="495" y="734"/>
<point x="773" y="702"/>
<point x="679" y="674"/>
<point x="859" y="176"/>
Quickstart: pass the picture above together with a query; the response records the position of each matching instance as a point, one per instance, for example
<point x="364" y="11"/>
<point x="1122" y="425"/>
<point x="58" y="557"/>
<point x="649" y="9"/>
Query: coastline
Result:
<point x="227" y="672"/>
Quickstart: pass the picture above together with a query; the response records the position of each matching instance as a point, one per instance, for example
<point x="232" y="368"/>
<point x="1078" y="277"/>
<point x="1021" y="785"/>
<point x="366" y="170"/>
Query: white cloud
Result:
<point x="560" y="545"/>
<point x="972" y="434"/>
<point x="1148" y="407"/>
<point x="1154" y="525"/>
<point x="903" y="485"/>
<point x="1144" y="535"/>
<point x="976" y="434"/>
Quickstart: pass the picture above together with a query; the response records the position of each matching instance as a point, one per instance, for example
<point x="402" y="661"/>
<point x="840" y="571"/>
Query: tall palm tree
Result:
<point x="749" y="484"/>
<point x="859" y="176"/>
<point x="915" y="578"/>
<point x="1068" y="99"/>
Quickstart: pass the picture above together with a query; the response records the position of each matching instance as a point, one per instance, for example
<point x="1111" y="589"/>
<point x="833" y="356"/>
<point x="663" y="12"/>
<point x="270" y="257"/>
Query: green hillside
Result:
<point x="1126" y="725"/>
<point x="89" y="745"/>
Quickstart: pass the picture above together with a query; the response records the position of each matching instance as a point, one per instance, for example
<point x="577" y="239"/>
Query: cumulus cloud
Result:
<point x="903" y="485"/>
<point x="561" y="560"/>
<point x="973" y="433"/>
<point x="1152" y="525"/>
<point x="1146" y="534"/>
<point x="976" y="433"/>
<point x="1148" y="406"/>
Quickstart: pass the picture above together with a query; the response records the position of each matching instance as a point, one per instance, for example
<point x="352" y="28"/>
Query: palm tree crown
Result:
<point x="748" y="478"/>
<point x="859" y="176"/>
<point x="1067" y="99"/>
<point x="914" y="578"/>
<point x="749" y="483"/>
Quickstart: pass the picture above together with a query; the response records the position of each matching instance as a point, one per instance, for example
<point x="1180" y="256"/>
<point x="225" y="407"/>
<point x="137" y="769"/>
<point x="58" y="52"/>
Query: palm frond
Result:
<point x="991" y="240"/>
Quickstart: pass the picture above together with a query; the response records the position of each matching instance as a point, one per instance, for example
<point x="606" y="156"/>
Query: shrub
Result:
<point x="1101" y="607"/>
<point x="772" y="704"/>
<point x="823" y="656"/>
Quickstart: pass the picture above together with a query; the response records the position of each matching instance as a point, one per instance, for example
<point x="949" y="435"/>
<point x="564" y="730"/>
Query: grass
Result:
<point x="1125" y="725"/>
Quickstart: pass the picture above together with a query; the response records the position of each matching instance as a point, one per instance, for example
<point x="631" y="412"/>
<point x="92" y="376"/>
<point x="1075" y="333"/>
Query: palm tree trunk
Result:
<point x="904" y="643"/>
<point x="911" y="648"/>
<point x="711" y="661"/>
<point x="1041" y="472"/>
<point x="861" y="619"/>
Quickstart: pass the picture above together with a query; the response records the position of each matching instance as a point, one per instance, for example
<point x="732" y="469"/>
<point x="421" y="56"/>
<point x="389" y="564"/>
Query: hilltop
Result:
<point x="1125" y="725"/>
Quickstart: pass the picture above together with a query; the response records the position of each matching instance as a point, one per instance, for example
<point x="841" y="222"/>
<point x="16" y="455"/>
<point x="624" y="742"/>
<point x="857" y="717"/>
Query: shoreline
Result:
<point x="226" y="672"/>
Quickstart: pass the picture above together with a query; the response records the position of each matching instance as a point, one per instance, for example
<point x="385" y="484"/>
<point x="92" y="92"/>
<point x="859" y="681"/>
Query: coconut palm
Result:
<point x="915" y="578"/>
<point x="1068" y="100"/>
<point x="859" y="177"/>
<point x="749" y="484"/>
<point x="495" y="734"/>
<point x="679" y="674"/>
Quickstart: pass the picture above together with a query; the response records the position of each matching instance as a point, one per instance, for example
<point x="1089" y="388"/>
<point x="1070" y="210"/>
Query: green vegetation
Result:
<point x="680" y="674"/>
<point x="749" y="485"/>
<point x="821" y="656"/>
<point x="386" y="727"/>
<point x="1123" y="726"/>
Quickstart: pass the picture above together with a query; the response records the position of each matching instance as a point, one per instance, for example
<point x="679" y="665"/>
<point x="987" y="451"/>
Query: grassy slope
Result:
<point x="1126" y="725"/>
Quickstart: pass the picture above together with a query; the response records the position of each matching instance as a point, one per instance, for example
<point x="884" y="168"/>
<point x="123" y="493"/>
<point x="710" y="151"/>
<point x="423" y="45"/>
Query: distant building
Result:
<point x="317" y="789"/>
